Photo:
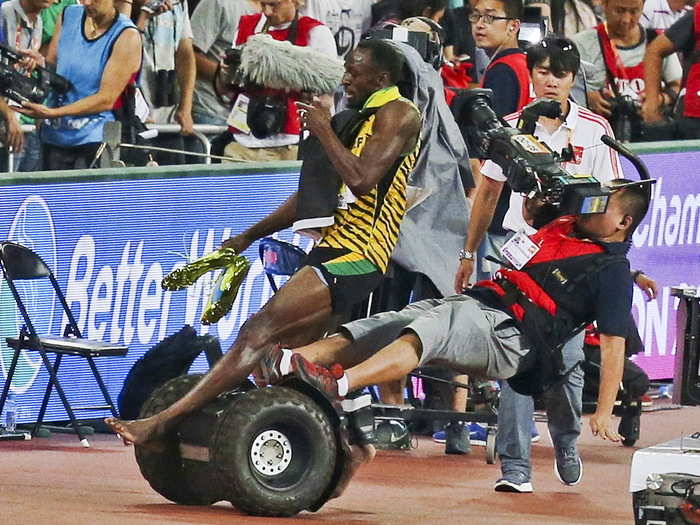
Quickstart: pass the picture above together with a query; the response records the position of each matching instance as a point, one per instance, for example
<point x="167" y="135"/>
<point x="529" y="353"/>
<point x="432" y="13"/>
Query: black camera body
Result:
<point x="20" y="87"/>
<point x="529" y="166"/>
<point x="165" y="94"/>
<point x="625" y="118"/>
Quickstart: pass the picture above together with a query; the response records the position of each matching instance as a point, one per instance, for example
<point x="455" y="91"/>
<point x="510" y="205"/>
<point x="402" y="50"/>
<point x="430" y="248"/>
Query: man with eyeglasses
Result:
<point x="553" y="64"/>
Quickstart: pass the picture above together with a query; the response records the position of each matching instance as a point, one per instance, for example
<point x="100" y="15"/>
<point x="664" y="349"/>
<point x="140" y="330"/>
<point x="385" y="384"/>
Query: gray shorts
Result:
<point x="458" y="332"/>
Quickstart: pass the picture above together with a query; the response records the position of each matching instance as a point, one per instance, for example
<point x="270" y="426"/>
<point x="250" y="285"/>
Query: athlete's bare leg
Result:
<point x="302" y="304"/>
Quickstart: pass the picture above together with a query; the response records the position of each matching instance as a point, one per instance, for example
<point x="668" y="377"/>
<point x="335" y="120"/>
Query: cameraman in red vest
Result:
<point x="281" y="20"/>
<point x="684" y="37"/>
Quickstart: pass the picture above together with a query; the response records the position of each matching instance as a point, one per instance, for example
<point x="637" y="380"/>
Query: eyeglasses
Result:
<point x="488" y="19"/>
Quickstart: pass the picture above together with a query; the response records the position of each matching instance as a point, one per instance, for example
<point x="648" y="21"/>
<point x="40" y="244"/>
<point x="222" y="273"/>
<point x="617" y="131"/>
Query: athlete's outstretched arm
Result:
<point x="283" y="217"/>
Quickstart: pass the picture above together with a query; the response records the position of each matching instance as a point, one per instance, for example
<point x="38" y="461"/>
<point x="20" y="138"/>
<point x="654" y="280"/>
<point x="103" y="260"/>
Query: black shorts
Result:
<point x="349" y="283"/>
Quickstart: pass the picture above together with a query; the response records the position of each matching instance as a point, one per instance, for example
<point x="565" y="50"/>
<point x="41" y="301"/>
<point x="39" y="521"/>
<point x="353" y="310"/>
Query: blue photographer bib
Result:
<point x="82" y="61"/>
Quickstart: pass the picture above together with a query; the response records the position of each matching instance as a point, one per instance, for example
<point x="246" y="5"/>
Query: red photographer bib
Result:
<point x="626" y="78"/>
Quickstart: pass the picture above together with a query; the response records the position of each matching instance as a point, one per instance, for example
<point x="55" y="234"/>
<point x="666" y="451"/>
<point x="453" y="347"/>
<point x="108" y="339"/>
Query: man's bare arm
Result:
<point x="612" y="361"/>
<point x="283" y="217"/>
<point x="656" y="51"/>
<point x="485" y="200"/>
<point x="396" y="130"/>
<point x="186" y="73"/>
<point x="206" y="67"/>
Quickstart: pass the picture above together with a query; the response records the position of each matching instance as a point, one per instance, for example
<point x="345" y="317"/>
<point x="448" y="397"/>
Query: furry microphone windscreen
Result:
<point x="281" y="65"/>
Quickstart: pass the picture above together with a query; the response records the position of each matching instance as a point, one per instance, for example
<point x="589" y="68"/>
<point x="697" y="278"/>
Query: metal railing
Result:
<point x="200" y="133"/>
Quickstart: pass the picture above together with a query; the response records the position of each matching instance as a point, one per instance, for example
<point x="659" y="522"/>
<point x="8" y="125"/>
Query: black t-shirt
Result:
<point x="458" y="31"/>
<point x="681" y="35"/>
<point x="611" y="294"/>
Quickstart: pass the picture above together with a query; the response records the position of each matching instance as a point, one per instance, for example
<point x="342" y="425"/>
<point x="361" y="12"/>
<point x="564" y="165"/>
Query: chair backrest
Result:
<point x="20" y="262"/>
<point x="280" y="257"/>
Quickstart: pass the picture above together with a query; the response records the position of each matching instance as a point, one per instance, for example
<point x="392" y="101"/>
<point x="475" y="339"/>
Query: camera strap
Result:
<point x="293" y="28"/>
<point x="613" y="65"/>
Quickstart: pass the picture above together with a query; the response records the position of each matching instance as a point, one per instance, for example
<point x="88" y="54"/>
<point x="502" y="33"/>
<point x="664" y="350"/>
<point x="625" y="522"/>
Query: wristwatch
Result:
<point x="464" y="254"/>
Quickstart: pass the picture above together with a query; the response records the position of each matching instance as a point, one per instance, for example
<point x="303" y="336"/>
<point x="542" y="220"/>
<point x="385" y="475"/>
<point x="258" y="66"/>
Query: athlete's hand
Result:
<point x="314" y="117"/>
<point x="238" y="243"/>
<point x="464" y="273"/>
<point x="602" y="426"/>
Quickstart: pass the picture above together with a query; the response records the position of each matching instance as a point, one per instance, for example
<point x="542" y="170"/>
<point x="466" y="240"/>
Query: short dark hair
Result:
<point x="513" y="8"/>
<point x="410" y="8"/>
<point x="635" y="201"/>
<point x="562" y="54"/>
<point x="385" y="57"/>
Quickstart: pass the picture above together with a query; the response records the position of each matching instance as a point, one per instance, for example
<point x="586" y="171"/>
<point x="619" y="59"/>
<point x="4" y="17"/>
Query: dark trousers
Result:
<point x="74" y="158"/>
<point x="635" y="381"/>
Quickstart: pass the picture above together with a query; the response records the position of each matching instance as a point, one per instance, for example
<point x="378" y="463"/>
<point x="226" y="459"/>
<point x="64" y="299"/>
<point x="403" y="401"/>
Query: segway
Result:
<point x="272" y="451"/>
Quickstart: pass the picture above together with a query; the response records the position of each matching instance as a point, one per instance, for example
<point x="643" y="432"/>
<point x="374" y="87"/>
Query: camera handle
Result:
<point x="634" y="160"/>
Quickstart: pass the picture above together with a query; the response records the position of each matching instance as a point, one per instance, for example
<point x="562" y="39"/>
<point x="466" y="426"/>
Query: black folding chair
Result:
<point x="279" y="258"/>
<point x="18" y="264"/>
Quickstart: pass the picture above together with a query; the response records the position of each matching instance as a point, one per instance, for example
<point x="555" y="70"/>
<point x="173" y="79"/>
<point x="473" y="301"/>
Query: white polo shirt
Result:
<point x="583" y="130"/>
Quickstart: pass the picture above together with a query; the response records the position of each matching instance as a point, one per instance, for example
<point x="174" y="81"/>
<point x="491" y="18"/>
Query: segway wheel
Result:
<point x="166" y="472"/>
<point x="275" y="452"/>
<point x="490" y="446"/>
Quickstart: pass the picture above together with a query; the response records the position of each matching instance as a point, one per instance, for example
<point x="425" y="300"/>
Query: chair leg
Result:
<point x="102" y="386"/>
<point x="8" y="381"/>
<point x="64" y="399"/>
<point x="47" y="396"/>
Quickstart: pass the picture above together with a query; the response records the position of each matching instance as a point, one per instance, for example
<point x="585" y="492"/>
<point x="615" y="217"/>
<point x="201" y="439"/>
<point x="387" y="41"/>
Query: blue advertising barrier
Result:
<point x="110" y="242"/>
<point x="111" y="236"/>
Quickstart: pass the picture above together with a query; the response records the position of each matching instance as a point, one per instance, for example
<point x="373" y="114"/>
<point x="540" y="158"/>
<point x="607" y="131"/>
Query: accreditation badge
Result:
<point x="519" y="250"/>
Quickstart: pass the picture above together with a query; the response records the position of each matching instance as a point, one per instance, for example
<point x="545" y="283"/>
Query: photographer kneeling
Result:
<point x="99" y="51"/>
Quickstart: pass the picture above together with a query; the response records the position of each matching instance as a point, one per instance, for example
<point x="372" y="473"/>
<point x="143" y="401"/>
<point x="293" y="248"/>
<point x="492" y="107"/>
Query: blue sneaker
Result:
<point x="477" y="434"/>
<point x="440" y="436"/>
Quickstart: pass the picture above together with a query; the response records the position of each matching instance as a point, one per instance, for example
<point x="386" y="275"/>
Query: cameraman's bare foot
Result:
<point x="142" y="432"/>
<point x="359" y="454"/>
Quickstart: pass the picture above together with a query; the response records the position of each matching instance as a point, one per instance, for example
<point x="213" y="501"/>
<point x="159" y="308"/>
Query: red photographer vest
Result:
<point x="616" y="71"/>
<point x="692" y="84"/>
<point x="551" y="312"/>
<point x="518" y="63"/>
<point x="246" y="29"/>
<point x="563" y="263"/>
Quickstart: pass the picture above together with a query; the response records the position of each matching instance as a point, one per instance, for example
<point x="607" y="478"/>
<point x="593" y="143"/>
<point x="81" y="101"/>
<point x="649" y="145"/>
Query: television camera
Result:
<point x="531" y="167"/>
<point x="19" y="86"/>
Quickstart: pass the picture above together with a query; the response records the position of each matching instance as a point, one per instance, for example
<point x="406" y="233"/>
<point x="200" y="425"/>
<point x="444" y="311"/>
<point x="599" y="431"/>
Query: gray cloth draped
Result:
<point x="435" y="225"/>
